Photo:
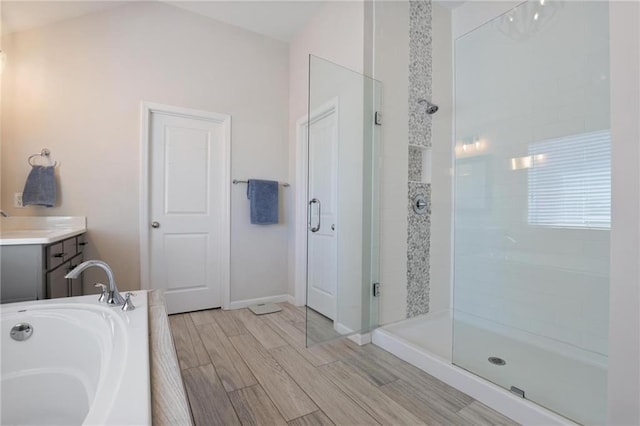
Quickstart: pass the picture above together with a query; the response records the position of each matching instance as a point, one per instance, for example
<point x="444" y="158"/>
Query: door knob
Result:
<point x="155" y="224"/>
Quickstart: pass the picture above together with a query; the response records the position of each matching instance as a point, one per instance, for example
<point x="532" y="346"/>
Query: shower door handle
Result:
<point x="311" y="203"/>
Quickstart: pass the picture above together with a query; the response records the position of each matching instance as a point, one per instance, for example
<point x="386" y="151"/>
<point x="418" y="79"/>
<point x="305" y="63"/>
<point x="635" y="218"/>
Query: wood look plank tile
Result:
<point x="291" y="313"/>
<point x="340" y="348"/>
<point x="374" y="372"/>
<point x="424" y="405"/>
<point x="320" y="328"/>
<point x="341" y="409"/>
<point x="254" y="407"/>
<point x="424" y="382"/>
<point x="384" y="409"/>
<point x="258" y="327"/>
<point x="203" y="317"/>
<point x="229" y="323"/>
<point x="210" y="404"/>
<point x="155" y="298"/>
<point x="479" y="414"/>
<point x="189" y="348"/>
<point x="317" y="418"/>
<point x="232" y="370"/>
<point x="316" y="355"/>
<point x="169" y="404"/>
<point x="281" y="388"/>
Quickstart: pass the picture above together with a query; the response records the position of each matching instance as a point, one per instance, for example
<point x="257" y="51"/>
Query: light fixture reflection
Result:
<point x="528" y="161"/>
<point x="3" y="60"/>
<point x="468" y="149"/>
<point x="528" y="18"/>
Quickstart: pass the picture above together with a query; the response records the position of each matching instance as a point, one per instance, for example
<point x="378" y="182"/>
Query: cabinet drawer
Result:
<point x="70" y="248"/>
<point x="55" y="255"/>
<point x="82" y="242"/>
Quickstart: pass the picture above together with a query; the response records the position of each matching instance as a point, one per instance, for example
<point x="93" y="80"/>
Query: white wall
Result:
<point x="624" y="322"/>
<point x="335" y="33"/>
<point x="76" y="86"/>
<point x="441" y="160"/>
<point x="391" y="67"/>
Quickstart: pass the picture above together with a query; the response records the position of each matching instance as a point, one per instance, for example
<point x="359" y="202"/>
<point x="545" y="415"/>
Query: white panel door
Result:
<point x="322" y="255"/>
<point x="187" y="210"/>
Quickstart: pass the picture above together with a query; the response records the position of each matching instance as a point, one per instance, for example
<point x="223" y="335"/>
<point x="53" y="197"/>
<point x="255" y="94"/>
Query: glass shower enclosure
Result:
<point x="342" y="201"/>
<point x="532" y="204"/>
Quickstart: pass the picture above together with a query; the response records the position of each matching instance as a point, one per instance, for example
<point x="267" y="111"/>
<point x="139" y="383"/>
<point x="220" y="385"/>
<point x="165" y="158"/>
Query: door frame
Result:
<point x="146" y="109"/>
<point x="302" y="152"/>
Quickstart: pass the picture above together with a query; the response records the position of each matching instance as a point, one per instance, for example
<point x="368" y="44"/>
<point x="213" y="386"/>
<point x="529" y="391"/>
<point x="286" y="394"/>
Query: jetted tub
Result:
<point x="85" y="363"/>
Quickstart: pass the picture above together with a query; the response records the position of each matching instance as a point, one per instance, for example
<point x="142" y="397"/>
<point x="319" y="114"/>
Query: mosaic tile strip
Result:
<point x="418" y="247"/>
<point x="419" y="229"/>
<point x="419" y="71"/>
<point x="415" y="164"/>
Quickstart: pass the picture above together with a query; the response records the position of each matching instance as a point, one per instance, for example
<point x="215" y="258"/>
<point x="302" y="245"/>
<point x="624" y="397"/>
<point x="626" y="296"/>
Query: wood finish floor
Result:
<point x="239" y="368"/>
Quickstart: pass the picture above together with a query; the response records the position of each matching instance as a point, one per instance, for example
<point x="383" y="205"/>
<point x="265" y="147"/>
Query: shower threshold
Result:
<point x="554" y="375"/>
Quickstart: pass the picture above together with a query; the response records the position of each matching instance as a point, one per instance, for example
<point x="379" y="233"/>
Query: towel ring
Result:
<point x="45" y="153"/>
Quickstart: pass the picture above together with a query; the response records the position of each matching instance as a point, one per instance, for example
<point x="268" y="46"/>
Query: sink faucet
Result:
<point x="113" y="295"/>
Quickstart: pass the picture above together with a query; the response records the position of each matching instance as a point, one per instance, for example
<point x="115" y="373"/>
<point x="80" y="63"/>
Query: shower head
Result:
<point x="431" y="108"/>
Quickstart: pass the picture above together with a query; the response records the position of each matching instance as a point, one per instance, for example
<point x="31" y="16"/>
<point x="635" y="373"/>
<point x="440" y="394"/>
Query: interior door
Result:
<point x="187" y="210"/>
<point x="322" y="240"/>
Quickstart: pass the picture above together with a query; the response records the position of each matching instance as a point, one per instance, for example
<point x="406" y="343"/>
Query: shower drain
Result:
<point x="497" y="361"/>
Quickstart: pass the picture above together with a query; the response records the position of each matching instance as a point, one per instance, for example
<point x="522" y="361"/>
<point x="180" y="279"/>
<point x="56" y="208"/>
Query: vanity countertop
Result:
<point x="21" y="230"/>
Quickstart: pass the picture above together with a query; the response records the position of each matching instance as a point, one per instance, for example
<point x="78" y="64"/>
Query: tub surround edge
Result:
<point x="169" y="403"/>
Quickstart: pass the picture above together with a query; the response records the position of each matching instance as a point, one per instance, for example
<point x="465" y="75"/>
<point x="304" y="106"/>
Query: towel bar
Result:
<point x="236" y="181"/>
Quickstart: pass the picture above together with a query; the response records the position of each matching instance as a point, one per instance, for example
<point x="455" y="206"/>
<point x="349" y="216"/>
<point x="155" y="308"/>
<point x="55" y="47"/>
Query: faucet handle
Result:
<point x="103" y="295"/>
<point x="128" y="304"/>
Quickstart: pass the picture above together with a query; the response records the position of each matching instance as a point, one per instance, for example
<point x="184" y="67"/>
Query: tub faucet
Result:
<point x="113" y="295"/>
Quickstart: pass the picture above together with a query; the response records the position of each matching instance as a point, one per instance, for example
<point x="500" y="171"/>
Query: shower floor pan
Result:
<point x="560" y="377"/>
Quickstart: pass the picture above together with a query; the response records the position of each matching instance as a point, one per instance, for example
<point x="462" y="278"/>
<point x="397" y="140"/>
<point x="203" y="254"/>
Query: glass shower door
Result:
<point x="342" y="207"/>
<point x="532" y="204"/>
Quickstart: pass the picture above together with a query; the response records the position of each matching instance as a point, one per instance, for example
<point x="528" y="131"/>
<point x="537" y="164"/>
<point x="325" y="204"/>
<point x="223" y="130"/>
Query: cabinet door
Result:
<point x="22" y="274"/>
<point x="57" y="284"/>
<point x="77" y="284"/>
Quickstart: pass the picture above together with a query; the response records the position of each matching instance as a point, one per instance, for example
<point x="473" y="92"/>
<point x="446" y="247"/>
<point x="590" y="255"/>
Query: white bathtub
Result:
<point x="84" y="364"/>
<point x="426" y="342"/>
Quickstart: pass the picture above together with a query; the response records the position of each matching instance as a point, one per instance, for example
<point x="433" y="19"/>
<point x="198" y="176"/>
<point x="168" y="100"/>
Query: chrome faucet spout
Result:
<point x="113" y="295"/>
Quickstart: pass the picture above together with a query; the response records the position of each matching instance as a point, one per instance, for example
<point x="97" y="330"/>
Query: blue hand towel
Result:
<point x="40" y="188"/>
<point x="263" y="199"/>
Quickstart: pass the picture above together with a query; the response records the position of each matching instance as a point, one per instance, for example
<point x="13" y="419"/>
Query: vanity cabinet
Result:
<point x="36" y="271"/>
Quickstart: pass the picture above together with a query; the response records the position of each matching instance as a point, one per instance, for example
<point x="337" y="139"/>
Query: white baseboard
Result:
<point x="361" y="338"/>
<point x="342" y="329"/>
<point x="291" y="300"/>
<point x="239" y="304"/>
